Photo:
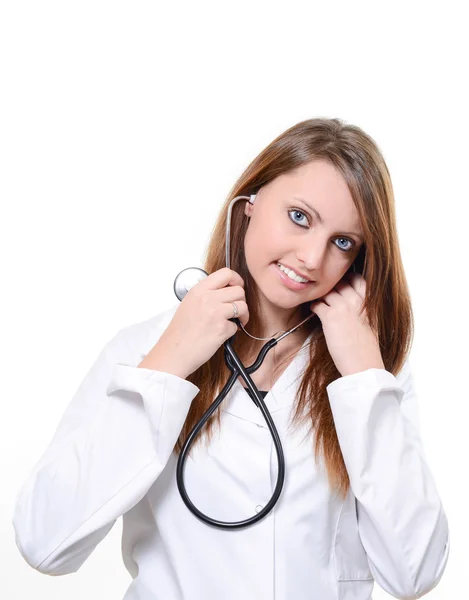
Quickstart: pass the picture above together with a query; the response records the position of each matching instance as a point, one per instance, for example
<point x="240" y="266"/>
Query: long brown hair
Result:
<point x="387" y="303"/>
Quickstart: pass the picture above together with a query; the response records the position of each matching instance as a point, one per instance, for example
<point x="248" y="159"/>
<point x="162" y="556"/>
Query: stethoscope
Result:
<point x="184" y="281"/>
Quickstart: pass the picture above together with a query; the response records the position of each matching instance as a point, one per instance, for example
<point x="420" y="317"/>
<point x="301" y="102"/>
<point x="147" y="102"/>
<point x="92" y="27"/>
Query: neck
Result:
<point x="275" y="320"/>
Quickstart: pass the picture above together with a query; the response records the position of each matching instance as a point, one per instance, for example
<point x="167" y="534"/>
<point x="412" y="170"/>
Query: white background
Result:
<point x="124" y="126"/>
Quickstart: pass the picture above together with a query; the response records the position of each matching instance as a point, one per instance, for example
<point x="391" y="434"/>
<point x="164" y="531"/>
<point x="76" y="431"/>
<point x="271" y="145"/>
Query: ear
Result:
<point x="249" y="206"/>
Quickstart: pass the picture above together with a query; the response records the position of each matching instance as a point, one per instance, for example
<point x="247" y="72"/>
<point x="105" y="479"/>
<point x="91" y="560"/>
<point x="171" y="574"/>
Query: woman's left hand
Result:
<point x="351" y="342"/>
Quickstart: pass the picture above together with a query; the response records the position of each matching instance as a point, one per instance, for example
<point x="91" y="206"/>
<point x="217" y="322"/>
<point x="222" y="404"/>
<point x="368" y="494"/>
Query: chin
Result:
<point x="279" y="302"/>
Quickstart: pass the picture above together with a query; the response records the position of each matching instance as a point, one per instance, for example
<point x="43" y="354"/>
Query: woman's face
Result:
<point x="284" y="229"/>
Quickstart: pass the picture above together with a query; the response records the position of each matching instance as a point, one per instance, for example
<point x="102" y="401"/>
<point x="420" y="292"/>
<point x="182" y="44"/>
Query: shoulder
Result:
<point x="404" y="376"/>
<point x="409" y="401"/>
<point x="140" y="337"/>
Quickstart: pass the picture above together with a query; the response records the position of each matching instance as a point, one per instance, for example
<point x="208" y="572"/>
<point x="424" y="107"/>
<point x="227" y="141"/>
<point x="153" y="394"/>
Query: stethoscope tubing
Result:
<point x="236" y="366"/>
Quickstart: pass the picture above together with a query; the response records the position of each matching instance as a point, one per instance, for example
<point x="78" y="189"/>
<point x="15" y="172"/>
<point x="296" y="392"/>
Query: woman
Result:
<point x="359" y="502"/>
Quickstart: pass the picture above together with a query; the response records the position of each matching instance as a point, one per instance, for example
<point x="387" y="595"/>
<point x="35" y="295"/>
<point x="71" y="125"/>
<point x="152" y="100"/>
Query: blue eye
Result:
<point x="346" y="249"/>
<point x="296" y="212"/>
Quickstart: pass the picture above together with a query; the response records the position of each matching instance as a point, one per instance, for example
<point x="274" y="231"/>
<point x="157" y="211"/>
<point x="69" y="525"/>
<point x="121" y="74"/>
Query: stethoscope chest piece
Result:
<point x="186" y="279"/>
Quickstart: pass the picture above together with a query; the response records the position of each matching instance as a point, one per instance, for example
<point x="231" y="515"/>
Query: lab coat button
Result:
<point x="259" y="425"/>
<point x="259" y="507"/>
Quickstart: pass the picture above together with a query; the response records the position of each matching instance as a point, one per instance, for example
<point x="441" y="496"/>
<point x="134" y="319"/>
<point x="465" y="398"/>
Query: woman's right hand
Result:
<point x="200" y="325"/>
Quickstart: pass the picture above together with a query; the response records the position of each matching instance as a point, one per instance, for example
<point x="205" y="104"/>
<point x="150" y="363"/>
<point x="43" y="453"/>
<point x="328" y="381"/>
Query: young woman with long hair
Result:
<point x="359" y="502"/>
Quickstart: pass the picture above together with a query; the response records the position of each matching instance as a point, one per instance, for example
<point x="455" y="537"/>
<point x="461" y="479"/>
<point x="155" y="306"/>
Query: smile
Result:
<point x="292" y="274"/>
<point x="290" y="279"/>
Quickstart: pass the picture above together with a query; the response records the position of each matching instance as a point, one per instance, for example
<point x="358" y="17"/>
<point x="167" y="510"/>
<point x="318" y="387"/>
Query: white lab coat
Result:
<point x="111" y="456"/>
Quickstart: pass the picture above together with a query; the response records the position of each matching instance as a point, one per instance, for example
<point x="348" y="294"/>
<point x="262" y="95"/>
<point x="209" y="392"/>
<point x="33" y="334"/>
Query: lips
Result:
<point x="290" y="283"/>
<point x="295" y="271"/>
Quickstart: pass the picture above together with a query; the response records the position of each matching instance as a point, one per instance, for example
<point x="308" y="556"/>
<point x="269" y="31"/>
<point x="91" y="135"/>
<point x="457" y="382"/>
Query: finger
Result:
<point x="222" y="278"/>
<point x="243" y="312"/>
<point x="230" y="293"/>
<point x="358" y="282"/>
<point x="318" y="307"/>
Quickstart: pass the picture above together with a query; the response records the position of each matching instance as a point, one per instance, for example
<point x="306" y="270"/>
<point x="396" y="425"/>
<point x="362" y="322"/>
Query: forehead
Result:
<point x="322" y="188"/>
<point x="319" y="178"/>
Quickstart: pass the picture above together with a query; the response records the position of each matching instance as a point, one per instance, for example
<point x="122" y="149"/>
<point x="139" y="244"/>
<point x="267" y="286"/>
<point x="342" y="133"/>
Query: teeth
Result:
<point x="292" y="274"/>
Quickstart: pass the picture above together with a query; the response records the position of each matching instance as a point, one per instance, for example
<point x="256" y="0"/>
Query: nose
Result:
<point x="312" y="252"/>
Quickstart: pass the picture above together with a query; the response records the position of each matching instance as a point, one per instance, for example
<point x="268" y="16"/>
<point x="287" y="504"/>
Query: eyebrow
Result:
<point x="320" y="219"/>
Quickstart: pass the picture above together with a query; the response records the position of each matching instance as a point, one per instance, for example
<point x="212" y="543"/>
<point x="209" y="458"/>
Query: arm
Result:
<point x="401" y="521"/>
<point x="111" y="444"/>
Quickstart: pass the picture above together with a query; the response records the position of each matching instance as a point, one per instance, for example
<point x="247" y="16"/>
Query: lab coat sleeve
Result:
<point x="401" y="521"/>
<point x="112" y="442"/>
